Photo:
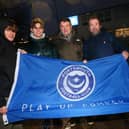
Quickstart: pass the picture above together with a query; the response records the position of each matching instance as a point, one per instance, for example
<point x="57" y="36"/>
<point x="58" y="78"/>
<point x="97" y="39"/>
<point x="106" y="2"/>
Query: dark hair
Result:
<point x="65" y="20"/>
<point x="95" y="17"/>
<point x="11" y="25"/>
<point x="7" y="24"/>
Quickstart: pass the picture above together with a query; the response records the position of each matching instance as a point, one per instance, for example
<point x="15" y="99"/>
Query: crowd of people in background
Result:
<point x="67" y="45"/>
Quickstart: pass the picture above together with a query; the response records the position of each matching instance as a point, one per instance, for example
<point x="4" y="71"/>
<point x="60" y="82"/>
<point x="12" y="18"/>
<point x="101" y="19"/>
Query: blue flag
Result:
<point x="52" y="88"/>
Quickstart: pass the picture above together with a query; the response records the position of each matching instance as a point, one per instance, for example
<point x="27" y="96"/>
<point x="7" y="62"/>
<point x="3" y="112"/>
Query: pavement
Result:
<point x="103" y="122"/>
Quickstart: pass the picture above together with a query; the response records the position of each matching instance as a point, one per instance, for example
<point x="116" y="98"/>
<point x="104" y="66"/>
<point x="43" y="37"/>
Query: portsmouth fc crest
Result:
<point x="75" y="82"/>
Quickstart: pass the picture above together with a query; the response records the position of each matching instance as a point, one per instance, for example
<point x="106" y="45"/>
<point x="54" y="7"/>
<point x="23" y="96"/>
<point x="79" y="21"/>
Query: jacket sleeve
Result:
<point x="2" y="101"/>
<point x="84" y="50"/>
<point x="4" y="87"/>
<point x="3" y="91"/>
<point x="7" y="67"/>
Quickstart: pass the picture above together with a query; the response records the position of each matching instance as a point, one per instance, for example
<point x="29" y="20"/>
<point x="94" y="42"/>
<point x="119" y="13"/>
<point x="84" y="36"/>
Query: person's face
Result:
<point x="94" y="26"/>
<point x="9" y="35"/>
<point x="37" y="30"/>
<point x="65" y="28"/>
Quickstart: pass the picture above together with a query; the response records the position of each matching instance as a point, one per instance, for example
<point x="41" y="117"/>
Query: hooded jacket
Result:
<point x="7" y="64"/>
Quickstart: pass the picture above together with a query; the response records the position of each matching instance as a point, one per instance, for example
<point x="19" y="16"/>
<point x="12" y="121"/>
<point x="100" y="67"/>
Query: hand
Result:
<point x="125" y="54"/>
<point x="84" y="61"/>
<point x="3" y="110"/>
<point x="22" y="51"/>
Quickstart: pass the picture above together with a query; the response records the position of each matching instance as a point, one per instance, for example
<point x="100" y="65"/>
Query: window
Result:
<point x="122" y="32"/>
<point x="74" y="20"/>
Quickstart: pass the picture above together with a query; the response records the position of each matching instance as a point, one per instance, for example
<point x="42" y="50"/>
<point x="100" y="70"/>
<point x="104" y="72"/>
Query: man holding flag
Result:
<point x="101" y="43"/>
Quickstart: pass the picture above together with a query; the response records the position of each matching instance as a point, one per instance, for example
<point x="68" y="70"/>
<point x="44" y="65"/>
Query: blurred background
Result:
<point x="113" y="13"/>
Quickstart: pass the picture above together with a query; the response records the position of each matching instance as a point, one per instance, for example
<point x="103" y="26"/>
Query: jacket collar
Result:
<point x="34" y="37"/>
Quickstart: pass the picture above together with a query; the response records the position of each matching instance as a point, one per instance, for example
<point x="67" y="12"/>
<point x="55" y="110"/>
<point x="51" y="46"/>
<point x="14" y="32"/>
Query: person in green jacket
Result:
<point x="39" y="43"/>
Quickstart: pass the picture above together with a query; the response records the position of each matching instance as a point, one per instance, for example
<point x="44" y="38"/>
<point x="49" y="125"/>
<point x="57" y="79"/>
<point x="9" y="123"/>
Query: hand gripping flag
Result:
<point x="52" y="88"/>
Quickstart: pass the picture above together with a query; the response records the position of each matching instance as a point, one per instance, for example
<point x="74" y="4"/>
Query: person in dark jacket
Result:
<point x="8" y="54"/>
<point x="101" y="43"/>
<point x="69" y="45"/>
<point x="7" y="60"/>
<point x="68" y="42"/>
